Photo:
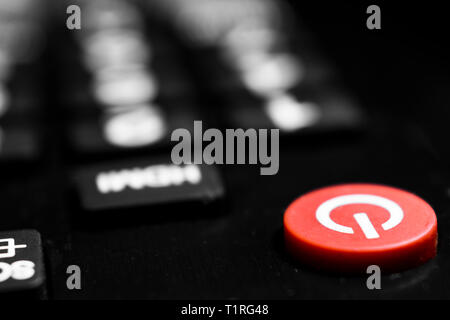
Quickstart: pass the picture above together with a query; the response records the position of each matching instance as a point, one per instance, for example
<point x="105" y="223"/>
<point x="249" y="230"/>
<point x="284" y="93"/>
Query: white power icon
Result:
<point x="325" y="209"/>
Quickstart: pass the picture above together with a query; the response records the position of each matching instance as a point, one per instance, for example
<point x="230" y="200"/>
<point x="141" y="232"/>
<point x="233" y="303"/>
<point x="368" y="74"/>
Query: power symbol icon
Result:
<point x="348" y="227"/>
<point x="395" y="211"/>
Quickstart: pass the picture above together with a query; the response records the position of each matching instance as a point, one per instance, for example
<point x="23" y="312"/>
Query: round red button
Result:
<point x="349" y="227"/>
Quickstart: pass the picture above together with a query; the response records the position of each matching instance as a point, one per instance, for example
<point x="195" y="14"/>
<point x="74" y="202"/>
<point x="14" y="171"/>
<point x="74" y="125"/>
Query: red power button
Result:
<point x="349" y="227"/>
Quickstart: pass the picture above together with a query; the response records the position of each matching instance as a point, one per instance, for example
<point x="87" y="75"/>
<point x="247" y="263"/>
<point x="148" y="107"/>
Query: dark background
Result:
<point x="234" y="249"/>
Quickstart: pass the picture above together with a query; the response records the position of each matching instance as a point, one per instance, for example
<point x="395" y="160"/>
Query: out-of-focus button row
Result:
<point x="116" y="52"/>
<point x="21" y="45"/>
<point x="252" y="50"/>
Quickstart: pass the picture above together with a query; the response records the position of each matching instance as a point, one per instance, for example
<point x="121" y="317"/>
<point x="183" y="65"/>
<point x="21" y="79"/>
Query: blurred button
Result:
<point x="121" y="86"/>
<point x="289" y="114"/>
<point x="265" y="73"/>
<point x="206" y="22"/>
<point x="103" y="14"/>
<point x="251" y="36"/>
<point x="112" y="48"/>
<point x="135" y="128"/>
<point x="126" y="130"/>
<point x="349" y="227"/>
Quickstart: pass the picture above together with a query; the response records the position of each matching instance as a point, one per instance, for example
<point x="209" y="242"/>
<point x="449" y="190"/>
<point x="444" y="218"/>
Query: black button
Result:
<point x="21" y="264"/>
<point x="146" y="182"/>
